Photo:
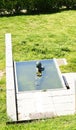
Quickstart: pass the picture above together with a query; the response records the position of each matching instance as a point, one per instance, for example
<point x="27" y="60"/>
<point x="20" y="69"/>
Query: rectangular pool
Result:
<point x="27" y="79"/>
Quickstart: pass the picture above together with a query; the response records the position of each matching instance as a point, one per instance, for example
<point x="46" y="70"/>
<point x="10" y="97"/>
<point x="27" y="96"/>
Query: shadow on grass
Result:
<point x="36" y="12"/>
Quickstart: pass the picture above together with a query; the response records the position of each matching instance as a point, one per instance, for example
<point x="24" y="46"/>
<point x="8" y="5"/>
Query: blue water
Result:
<point x="28" y="80"/>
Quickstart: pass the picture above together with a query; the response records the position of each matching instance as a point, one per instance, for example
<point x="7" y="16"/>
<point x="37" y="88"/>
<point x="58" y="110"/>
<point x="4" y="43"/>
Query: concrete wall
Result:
<point x="36" y="105"/>
<point x="10" y="87"/>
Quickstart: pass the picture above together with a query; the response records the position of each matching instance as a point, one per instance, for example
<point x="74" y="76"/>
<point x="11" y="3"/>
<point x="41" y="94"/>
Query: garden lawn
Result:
<point x="39" y="37"/>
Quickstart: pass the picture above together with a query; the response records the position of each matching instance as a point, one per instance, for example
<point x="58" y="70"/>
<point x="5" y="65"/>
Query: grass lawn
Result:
<point x="39" y="37"/>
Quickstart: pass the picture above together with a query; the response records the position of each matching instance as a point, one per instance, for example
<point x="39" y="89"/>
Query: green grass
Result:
<point x="39" y="37"/>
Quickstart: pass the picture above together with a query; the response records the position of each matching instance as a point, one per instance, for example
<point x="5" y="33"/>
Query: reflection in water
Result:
<point x="27" y="78"/>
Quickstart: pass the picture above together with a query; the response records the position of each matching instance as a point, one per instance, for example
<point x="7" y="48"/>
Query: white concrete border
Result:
<point x="57" y="66"/>
<point x="10" y="87"/>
